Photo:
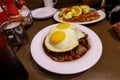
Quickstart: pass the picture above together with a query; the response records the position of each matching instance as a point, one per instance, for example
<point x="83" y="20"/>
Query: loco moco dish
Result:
<point x="65" y="42"/>
<point x="80" y="13"/>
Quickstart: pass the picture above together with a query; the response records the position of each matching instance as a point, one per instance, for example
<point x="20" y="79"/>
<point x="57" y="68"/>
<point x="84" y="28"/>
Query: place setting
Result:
<point x="48" y="48"/>
<point x="80" y="14"/>
<point x="68" y="55"/>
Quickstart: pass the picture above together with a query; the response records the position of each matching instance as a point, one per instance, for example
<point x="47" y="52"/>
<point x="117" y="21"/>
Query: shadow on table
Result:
<point x="114" y="34"/>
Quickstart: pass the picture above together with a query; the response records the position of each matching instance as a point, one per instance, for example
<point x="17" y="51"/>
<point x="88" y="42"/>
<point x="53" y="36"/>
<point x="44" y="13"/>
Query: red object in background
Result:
<point x="10" y="65"/>
<point x="20" y="3"/>
<point x="8" y="1"/>
<point x="3" y="16"/>
<point x="12" y="9"/>
<point x="13" y="12"/>
<point x="2" y="43"/>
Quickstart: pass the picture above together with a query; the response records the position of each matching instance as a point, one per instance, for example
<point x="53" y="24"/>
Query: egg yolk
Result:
<point x="57" y="37"/>
<point x="63" y="26"/>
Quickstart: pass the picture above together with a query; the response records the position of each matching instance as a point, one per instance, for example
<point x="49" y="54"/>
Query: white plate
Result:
<point x="42" y="13"/>
<point x="101" y="13"/>
<point x="70" y="67"/>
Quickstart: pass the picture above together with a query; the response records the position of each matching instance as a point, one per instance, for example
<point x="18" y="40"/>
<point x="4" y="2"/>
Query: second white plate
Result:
<point x="100" y="12"/>
<point x="42" y="13"/>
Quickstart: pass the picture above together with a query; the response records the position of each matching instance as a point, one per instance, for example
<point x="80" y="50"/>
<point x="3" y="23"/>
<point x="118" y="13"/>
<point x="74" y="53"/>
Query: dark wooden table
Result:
<point x="107" y="68"/>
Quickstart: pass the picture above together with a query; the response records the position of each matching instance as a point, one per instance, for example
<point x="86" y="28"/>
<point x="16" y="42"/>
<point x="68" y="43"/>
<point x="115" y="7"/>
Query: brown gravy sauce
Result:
<point x="59" y="56"/>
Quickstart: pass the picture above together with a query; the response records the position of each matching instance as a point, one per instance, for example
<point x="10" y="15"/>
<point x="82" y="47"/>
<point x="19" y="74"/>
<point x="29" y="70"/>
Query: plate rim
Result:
<point x="44" y="66"/>
<point x="43" y="8"/>
<point x="100" y="12"/>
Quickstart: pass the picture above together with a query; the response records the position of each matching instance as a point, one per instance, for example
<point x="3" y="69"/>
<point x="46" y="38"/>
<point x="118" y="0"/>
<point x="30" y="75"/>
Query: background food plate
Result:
<point x="100" y="12"/>
<point x="70" y="67"/>
<point x="42" y="13"/>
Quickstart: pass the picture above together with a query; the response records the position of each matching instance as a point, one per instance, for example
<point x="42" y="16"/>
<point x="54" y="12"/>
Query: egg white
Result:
<point x="70" y="41"/>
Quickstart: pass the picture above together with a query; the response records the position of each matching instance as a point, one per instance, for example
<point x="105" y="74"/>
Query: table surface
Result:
<point x="107" y="68"/>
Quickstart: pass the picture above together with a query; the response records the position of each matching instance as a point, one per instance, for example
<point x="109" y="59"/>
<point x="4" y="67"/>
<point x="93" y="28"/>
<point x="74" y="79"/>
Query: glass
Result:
<point x="27" y="19"/>
<point x="14" y="32"/>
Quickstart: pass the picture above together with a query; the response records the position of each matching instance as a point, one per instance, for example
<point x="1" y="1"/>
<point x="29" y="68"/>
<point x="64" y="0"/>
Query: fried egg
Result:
<point x="63" y="37"/>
